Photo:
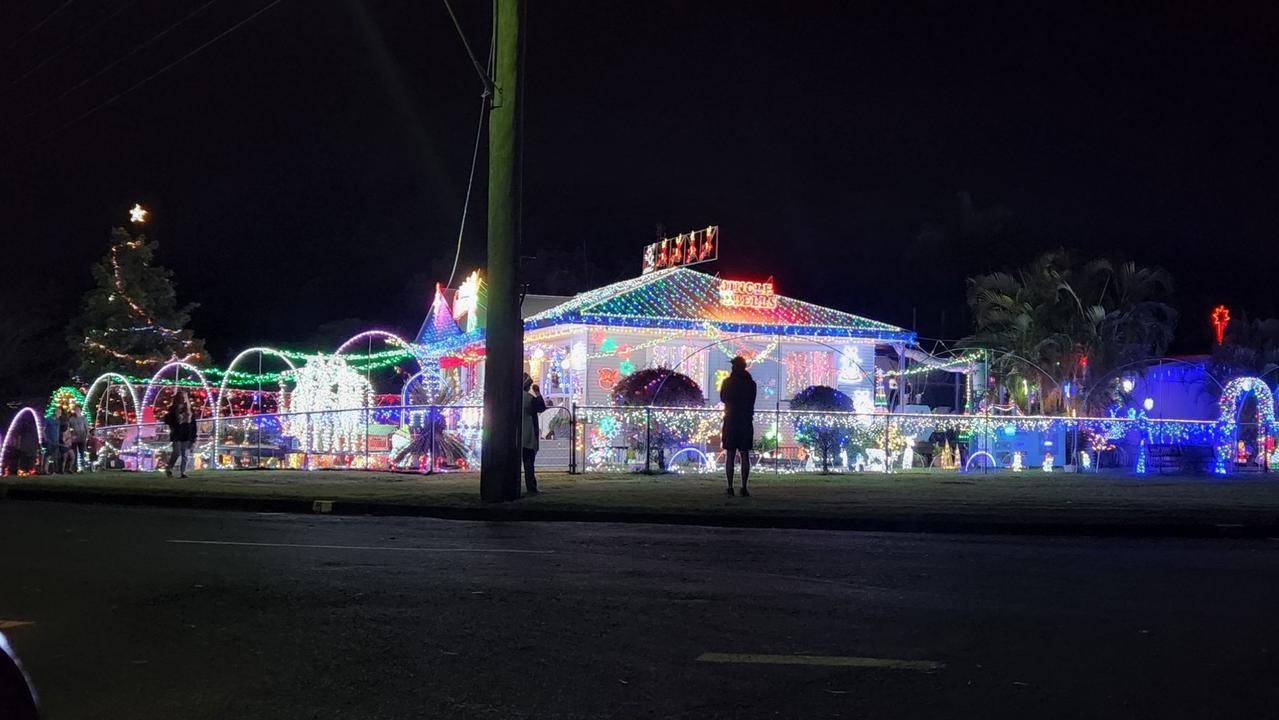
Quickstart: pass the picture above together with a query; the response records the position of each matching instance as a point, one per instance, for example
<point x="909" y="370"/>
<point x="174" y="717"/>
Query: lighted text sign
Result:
<point x="743" y="293"/>
<point x="690" y="248"/>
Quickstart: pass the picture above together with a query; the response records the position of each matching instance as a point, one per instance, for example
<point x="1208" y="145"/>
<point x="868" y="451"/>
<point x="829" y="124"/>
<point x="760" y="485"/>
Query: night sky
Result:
<point x="310" y="167"/>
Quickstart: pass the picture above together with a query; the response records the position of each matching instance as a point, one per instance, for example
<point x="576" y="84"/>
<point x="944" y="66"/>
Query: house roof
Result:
<point x="680" y="298"/>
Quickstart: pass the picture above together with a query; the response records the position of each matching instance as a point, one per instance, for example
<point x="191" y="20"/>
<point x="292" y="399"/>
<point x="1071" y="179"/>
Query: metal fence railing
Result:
<point x="447" y="438"/>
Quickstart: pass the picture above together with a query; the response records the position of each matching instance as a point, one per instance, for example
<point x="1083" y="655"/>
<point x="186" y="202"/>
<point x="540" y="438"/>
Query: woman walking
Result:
<point x="181" y="424"/>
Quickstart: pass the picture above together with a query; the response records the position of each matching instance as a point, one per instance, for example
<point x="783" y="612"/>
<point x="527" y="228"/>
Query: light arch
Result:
<point x="102" y="381"/>
<point x="1231" y="405"/>
<point x="35" y="418"/>
<point x="148" y="394"/>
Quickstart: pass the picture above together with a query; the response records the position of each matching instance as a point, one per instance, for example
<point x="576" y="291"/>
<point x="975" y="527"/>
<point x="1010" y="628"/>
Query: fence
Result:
<point x="446" y="438"/>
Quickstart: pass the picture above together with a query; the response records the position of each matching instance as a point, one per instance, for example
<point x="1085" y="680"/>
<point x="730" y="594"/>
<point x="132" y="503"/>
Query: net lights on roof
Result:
<point x="684" y="299"/>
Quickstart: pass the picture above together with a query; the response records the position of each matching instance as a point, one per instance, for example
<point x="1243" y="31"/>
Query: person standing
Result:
<point x="64" y="441"/>
<point x="79" y="438"/>
<point x="52" y="439"/>
<point x="181" y="424"/>
<point x="737" y="392"/>
<point x="530" y="431"/>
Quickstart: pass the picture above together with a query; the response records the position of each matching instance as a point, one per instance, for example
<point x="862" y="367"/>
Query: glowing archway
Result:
<point x="226" y="377"/>
<point x="149" y="394"/>
<point x="8" y="435"/>
<point x="102" y="381"/>
<point x="1231" y="405"/>
<point x="707" y="463"/>
<point x="980" y="453"/>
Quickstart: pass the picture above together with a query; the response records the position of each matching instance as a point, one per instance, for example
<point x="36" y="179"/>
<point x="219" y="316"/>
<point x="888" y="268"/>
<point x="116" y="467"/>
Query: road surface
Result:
<point x="148" y="613"/>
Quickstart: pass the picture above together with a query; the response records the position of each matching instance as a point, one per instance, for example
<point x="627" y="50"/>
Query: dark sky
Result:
<point x="310" y="167"/>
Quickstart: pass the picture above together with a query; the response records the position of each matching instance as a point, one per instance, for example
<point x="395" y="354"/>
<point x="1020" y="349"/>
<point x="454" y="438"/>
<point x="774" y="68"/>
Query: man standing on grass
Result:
<point x="737" y="392"/>
<point x="533" y="406"/>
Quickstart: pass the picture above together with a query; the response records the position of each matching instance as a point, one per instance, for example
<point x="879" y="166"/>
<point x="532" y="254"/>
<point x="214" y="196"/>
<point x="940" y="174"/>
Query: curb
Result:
<point x="518" y="513"/>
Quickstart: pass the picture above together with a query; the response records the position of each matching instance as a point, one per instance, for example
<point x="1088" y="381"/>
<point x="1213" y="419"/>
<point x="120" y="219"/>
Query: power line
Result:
<point x="159" y="72"/>
<point x="73" y="43"/>
<point x="475" y="154"/>
<point x="485" y="76"/>
<point x="38" y="25"/>
<point x="109" y="66"/>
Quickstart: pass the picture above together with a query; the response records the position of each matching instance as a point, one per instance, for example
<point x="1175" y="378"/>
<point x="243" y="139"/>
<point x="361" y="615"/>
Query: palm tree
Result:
<point x="1052" y="323"/>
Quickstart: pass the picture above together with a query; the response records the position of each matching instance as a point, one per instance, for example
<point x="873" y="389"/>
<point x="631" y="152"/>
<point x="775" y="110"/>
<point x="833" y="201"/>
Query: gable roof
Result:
<point x="680" y="298"/>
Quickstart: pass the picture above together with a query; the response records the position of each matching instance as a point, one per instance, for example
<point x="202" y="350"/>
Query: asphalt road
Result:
<point x="146" y="613"/>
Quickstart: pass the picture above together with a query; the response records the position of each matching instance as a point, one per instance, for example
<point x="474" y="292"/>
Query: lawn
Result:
<point x="1001" y="497"/>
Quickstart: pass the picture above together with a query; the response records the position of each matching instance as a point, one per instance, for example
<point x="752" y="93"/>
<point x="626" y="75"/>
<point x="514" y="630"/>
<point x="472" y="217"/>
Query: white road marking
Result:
<point x="822" y="660"/>
<point x="10" y="624"/>
<point x="362" y="547"/>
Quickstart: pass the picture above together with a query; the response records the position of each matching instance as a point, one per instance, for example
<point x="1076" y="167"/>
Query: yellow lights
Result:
<point x="138" y="214"/>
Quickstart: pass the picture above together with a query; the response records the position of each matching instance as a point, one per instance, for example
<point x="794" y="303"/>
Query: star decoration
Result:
<point x="137" y="214"/>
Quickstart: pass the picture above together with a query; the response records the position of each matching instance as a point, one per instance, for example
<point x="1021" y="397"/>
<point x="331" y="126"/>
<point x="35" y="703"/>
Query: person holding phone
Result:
<point x="534" y="406"/>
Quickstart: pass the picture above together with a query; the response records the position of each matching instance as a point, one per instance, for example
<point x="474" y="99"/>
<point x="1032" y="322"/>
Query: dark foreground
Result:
<point x="147" y="613"/>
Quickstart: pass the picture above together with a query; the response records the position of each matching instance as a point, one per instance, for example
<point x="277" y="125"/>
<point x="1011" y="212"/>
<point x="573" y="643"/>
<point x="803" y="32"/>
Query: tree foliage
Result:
<point x="658" y="387"/>
<point x="130" y="322"/>
<point x="825" y="439"/>
<point x="1053" y="322"/>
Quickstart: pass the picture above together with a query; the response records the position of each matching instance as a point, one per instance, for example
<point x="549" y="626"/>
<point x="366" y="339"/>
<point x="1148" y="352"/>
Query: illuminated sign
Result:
<point x="689" y="248"/>
<point x="746" y="294"/>
<point x="1220" y="319"/>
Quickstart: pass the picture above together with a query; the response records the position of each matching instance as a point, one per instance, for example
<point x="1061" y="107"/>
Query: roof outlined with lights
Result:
<point x="680" y="298"/>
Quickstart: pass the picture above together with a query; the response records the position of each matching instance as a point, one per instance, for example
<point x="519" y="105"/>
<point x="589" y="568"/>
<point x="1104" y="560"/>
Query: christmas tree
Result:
<point x="130" y="322"/>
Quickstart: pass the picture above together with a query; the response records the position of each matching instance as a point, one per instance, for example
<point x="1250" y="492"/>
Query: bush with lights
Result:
<point x="822" y="439"/>
<point x="661" y="387"/>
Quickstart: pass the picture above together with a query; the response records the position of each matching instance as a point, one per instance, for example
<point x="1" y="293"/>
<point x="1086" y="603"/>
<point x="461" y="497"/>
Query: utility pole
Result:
<point x="504" y="334"/>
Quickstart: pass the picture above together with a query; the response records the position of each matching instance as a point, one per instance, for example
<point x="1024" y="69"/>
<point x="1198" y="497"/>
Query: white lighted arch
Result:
<point x="385" y="335"/>
<point x="408" y="384"/>
<point x="102" y="381"/>
<point x="8" y="435"/>
<point x="226" y="376"/>
<point x="982" y="454"/>
<point x="149" y="394"/>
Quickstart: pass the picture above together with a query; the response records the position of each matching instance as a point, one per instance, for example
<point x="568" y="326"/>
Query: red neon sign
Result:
<point x="689" y="248"/>
<point x="1220" y="319"/>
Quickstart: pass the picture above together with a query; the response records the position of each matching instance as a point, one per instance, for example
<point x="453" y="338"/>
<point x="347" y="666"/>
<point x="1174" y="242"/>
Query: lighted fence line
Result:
<point x="140" y="441"/>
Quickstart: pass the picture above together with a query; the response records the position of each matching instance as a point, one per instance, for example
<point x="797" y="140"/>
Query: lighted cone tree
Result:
<point x="130" y="322"/>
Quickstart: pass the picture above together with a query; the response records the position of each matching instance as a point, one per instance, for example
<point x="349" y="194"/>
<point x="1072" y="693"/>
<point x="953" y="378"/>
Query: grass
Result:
<point x="922" y="495"/>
